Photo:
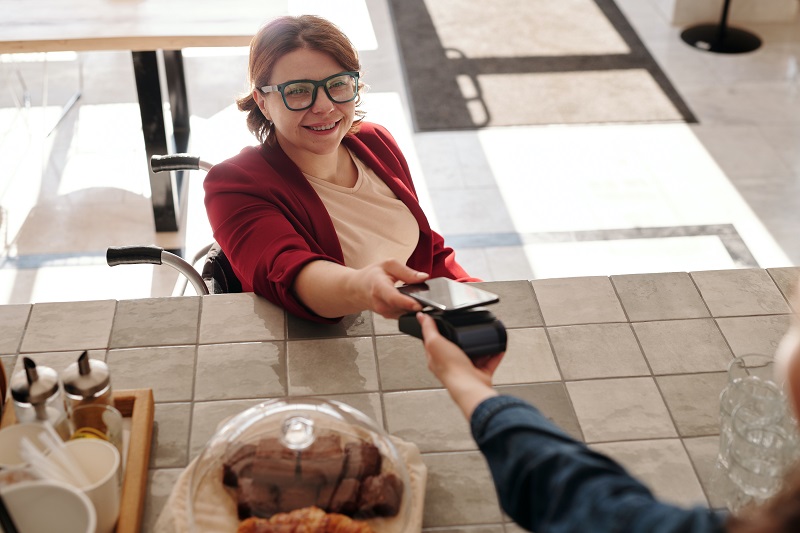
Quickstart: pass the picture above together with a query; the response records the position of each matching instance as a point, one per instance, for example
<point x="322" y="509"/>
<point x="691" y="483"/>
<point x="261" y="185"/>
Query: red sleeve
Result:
<point x="270" y="224"/>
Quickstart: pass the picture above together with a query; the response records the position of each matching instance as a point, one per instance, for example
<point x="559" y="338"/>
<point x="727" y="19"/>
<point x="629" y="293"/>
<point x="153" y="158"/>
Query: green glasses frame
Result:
<point x="281" y="88"/>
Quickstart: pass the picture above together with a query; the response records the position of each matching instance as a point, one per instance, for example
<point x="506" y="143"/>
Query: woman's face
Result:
<point x="317" y="130"/>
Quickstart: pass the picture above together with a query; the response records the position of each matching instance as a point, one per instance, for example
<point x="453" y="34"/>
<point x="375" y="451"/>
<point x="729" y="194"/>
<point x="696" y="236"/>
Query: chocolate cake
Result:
<point x="270" y="478"/>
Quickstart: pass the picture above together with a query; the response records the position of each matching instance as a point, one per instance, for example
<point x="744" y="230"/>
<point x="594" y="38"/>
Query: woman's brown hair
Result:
<point x="281" y="36"/>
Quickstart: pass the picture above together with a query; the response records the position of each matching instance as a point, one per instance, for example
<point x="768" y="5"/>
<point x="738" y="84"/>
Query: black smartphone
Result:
<point x="447" y="295"/>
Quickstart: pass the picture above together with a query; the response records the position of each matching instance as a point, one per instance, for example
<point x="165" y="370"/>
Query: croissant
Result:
<point x="305" y="520"/>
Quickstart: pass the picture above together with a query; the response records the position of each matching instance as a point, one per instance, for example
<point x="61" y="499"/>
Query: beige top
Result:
<point x="372" y="223"/>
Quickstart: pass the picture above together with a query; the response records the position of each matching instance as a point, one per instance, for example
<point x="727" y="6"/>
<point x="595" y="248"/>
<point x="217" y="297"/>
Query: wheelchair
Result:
<point x="216" y="275"/>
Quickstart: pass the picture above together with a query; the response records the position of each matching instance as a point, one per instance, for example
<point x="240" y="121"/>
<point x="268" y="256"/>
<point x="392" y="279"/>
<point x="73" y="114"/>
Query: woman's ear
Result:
<point x="261" y="103"/>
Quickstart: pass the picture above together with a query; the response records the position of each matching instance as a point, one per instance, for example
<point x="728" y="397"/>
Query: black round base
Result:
<point x="707" y="37"/>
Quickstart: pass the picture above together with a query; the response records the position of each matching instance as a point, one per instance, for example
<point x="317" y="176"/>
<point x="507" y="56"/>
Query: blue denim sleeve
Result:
<point x="549" y="482"/>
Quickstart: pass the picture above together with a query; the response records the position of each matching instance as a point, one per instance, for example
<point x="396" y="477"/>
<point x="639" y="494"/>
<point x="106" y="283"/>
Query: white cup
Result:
<point x="11" y="436"/>
<point x="49" y="506"/>
<point x="100" y="461"/>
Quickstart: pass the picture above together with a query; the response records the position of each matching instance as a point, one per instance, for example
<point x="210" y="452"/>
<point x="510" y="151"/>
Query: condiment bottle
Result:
<point x="37" y="397"/>
<point x="87" y="381"/>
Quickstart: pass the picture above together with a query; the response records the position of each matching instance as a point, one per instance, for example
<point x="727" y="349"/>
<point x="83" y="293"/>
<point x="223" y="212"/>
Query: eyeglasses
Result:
<point x="301" y="94"/>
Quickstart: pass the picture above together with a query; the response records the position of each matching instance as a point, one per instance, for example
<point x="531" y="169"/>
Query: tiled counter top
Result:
<point x="631" y="364"/>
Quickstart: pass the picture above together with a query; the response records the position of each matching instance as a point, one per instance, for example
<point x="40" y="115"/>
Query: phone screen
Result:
<point x="448" y="295"/>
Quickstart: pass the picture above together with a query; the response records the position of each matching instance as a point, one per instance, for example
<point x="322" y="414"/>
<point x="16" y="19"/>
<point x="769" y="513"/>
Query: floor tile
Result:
<point x="662" y="465"/>
<point x="667" y="344"/>
<point x="659" y="296"/>
<point x="237" y="371"/>
<point x="620" y="409"/>
<point x="348" y="365"/>
<point x="597" y="351"/>
<point x="578" y="301"/>
<point x="459" y="490"/>
<point x="428" y="418"/>
<point x="693" y="401"/>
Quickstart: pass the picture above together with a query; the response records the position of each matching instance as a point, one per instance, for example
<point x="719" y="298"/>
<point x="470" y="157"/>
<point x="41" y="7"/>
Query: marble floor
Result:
<point x="517" y="202"/>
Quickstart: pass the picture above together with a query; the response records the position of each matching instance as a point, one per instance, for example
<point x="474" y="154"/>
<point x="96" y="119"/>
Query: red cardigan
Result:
<point x="271" y="223"/>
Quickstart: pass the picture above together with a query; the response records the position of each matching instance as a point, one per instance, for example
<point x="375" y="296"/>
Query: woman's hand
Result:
<point x="332" y="290"/>
<point x="378" y="284"/>
<point x="468" y="381"/>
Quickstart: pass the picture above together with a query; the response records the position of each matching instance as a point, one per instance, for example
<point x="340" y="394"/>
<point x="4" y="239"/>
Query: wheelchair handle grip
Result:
<point x="131" y="255"/>
<point x="163" y="163"/>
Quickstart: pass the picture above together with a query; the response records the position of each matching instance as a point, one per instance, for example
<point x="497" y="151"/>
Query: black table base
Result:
<point x="721" y="38"/>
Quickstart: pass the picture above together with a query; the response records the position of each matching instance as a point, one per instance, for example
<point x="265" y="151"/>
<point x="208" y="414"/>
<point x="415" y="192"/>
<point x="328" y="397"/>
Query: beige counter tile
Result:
<point x="159" y="486"/>
<point x="703" y="454"/>
<point x="754" y="334"/>
<point x="740" y="292"/>
<point x="13" y="319"/>
<point x="242" y="370"/>
<point x="358" y="325"/>
<point x="586" y="300"/>
<point x="683" y="346"/>
<point x="239" y="318"/>
<point x="528" y="359"/>
<point x="69" y="326"/>
<point x="170" y="435"/>
<point x="156" y="322"/>
<point x="598" y="351"/>
<point x="693" y="400"/>
<point x="517" y="307"/>
<point x="368" y="403"/>
<point x="331" y="366"/>
<point x="662" y="465"/>
<point x="659" y="296"/>
<point x="459" y="490"/>
<point x="168" y="371"/>
<point x="384" y="326"/>
<point x="620" y="409"/>
<point x="552" y="400"/>
<point x="403" y="364"/>
<point x="207" y="418"/>
<point x="428" y="418"/>
<point x="788" y="281"/>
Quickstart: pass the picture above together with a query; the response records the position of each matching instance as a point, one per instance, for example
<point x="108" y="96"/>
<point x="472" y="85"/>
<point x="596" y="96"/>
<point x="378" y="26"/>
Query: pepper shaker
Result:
<point x="87" y="381"/>
<point x="37" y="396"/>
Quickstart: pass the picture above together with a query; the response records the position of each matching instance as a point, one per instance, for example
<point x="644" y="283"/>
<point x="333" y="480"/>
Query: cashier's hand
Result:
<point x="468" y="382"/>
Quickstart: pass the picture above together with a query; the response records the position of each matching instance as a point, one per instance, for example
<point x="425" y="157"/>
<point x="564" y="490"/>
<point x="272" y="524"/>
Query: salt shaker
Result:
<point x="37" y="397"/>
<point x="87" y="381"/>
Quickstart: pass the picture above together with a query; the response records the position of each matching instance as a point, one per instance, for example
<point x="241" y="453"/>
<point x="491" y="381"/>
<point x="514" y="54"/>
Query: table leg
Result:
<point x="163" y="186"/>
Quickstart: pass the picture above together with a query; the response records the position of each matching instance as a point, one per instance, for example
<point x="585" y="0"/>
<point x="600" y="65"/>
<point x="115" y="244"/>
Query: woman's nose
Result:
<point x="322" y="104"/>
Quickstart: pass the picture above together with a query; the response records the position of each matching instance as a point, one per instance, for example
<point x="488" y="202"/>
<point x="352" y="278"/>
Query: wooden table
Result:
<point x="633" y="365"/>
<point x="143" y="27"/>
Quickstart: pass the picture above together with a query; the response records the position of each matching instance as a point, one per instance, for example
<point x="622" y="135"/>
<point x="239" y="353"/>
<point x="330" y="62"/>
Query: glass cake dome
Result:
<point x="299" y="456"/>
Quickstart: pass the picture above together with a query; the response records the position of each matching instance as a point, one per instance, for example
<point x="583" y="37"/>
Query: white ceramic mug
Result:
<point x="49" y="506"/>
<point x="100" y="461"/>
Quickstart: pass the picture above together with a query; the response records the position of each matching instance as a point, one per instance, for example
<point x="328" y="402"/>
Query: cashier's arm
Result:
<point x="332" y="290"/>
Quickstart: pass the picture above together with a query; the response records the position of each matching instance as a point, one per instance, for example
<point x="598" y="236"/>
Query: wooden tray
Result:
<point x="138" y="405"/>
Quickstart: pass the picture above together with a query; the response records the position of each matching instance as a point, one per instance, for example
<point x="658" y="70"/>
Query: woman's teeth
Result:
<point x="323" y="128"/>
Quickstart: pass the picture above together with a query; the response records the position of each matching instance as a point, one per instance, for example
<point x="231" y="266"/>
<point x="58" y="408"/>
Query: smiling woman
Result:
<point x="323" y="217"/>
